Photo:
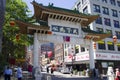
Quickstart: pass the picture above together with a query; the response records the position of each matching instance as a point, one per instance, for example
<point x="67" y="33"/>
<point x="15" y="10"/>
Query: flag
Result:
<point x="49" y="54"/>
<point x="66" y="38"/>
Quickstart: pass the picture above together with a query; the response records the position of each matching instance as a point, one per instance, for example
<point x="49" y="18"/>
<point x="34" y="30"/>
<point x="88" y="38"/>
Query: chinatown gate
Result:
<point x="53" y="24"/>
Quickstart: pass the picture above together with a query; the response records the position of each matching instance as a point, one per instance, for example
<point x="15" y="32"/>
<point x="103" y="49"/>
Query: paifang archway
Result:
<point x="61" y="22"/>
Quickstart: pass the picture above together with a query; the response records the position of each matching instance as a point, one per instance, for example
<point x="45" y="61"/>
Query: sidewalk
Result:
<point x="67" y="75"/>
<point x="12" y="78"/>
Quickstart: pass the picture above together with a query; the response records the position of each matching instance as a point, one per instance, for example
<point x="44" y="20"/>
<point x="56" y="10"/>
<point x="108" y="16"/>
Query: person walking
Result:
<point x="110" y="73"/>
<point x="7" y="73"/>
<point x="30" y="67"/>
<point x="117" y="74"/>
<point x="19" y="73"/>
<point x="47" y="69"/>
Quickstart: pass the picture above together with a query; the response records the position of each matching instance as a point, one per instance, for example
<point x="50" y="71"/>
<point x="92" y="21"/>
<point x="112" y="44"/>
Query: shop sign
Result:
<point x="107" y="56"/>
<point x="82" y="57"/>
<point x="63" y="29"/>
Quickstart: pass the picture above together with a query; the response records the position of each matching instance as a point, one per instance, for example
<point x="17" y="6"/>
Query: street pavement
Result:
<point x="59" y="76"/>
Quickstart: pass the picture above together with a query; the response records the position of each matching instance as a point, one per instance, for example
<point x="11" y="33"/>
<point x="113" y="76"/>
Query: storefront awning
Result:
<point x="101" y="42"/>
<point x="118" y="44"/>
<point x="77" y="62"/>
<point x="110" y="43"/>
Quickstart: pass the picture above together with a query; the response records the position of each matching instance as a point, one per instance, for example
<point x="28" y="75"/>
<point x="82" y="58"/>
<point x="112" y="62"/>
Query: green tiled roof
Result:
<point x="41" y="22"/>
<point x="88" y="30"/>
<point x="66" y="10"/>
<point x="63" y="9"/>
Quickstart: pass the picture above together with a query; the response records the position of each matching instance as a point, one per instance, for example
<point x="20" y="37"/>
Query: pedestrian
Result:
<point x="47" y="69"/>
<point x="19" y="73"/>
<point x="30" y="67"/>
<point x="110" y="73"/>
<point x="52" y="70"/>
<point x="7" y="73"/>
<point x="96" y="73"/>
<point x="71" y="70"/>
<point x="117" y="74"/>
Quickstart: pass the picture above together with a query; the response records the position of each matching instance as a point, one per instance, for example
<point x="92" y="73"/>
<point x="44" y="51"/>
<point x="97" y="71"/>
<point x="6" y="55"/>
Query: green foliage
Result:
<point x="15" y="9"/>
<point x="2" y="63"/>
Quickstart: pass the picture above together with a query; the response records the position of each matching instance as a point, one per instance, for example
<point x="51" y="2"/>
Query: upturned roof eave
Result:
<point x="99" y="35"/>
<point x="24" y="27"/>
<point x="90" y="18"/>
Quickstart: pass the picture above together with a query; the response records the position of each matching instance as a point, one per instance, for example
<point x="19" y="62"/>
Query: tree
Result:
<point x="14" y="42"/>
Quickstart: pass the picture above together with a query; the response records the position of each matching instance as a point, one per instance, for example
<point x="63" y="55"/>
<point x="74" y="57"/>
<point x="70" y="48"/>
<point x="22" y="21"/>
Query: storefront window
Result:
<point x="118" y="47"/>
<point x="110" y="46"/>
<point x="101" y="46"/>
<point x="82" y="49"/>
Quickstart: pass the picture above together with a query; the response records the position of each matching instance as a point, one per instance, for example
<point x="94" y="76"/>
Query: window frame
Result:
<point x="101" y="46"/>
<point x="111" y="47"/>
<point x="98" y="20"/>
<point x="105" y="10"/>
<point x="116" y="24"/>
<point x="114" y="13"/>
<point x="96" y="8"/>
<point x="109" y="31"/>
<point x="105" y="1"/>
<point x="117" y="34"/>
<point x="113" y="2"/>
<point x="118" y="3"/>
<point x="107" y="22"/>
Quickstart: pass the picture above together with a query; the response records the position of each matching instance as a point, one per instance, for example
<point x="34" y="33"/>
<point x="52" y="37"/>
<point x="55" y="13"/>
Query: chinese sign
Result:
<point x="63" y="29"/>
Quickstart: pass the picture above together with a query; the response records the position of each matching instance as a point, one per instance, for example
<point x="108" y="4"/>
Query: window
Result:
<point x="82" y="49"/>
<point x="107" y="22"/>
<point x="112" y="2"/>
<point x="105" y="1"/>
<point x="118" y="47"/>
<point x="101" y="46"/>
<point x="78" y="5"/>
<point x="114" y="13"/>
<point x="98" y="20"/>
<point x="65" y="53"/>
<point x="118" y="3"/>
<point x="85" y="10"/>
<point x="116" y="24"/>
<point x="76" y="49"/>
<point x="96" y="8"/>
<point x="117" y="34"/>
<point x="110" y="46"/>
<point x="105" y="10"/>
<point x="83" y="1"/>
<point x="99" y="29"/>
<point x="109" y="31"/>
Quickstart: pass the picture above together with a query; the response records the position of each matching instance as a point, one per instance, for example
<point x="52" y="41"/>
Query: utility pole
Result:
<point x="2" y="13"/>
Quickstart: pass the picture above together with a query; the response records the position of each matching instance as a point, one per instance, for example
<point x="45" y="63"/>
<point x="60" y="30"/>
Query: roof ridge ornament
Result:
<point x="51" y="4"/>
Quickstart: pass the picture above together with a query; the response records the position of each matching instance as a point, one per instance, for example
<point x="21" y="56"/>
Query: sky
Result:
<point x="68" y="4"/>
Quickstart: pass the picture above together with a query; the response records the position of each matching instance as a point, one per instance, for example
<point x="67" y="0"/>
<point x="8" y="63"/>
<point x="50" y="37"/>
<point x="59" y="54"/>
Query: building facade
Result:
<point x="59" y="53"/>
<point x="107" y="51"/>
